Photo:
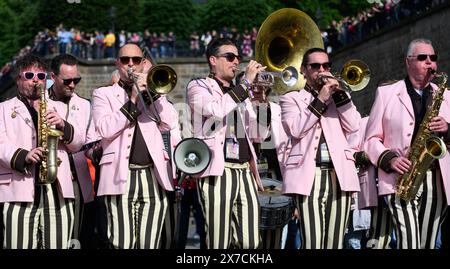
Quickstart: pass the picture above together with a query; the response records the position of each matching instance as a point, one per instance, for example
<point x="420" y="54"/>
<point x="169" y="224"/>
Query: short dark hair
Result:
<point x="61" y="59"/>
<point x="214" y="46"/>
<point x="309" y="52"/>
<point x="27" y="61"/>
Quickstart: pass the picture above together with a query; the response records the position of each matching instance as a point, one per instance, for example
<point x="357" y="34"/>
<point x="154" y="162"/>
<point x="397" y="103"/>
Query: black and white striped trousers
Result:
<point x="46" y="223"/>
<point x="381" y="226"/>
<point x="417" y="221"/>
<point x="324" y="214"/>
<point x="231" y="208"/>
<point x="135" y="218"/>
<point x="170" y="227"/>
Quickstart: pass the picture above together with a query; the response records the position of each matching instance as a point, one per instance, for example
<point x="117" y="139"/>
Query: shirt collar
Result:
<point x="224" y="89"/>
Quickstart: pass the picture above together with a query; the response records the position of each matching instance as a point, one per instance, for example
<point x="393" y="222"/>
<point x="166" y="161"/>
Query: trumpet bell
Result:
<point x="161" y="79"/>
<point x="356" y="74"/>
<point x="283" y="38"/>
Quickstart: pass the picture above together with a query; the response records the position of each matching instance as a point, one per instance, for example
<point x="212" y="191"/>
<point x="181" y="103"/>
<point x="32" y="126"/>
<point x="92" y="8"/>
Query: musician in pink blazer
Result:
<point x="396" y="114"/>
<point x="66" y="77"/>
<point x="320" y="170"/>
<point x="224" y="118"/>
<point x="134" y="166"/>
<point x="26" y="203"/>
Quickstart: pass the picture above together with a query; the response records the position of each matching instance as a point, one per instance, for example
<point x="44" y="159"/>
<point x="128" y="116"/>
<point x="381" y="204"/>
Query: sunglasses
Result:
<point x="32" y="75"/>
<point x="126" y="59"/>
<point x="230" y="56"/>
<point x="423" y="57"/>
<point x="69" y="81"/>
<point x="316" y="66"/>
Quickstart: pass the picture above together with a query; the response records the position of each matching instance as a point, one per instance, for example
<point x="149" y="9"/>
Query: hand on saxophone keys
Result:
<point x="53" y="119"/>
<point x="35" y="155"/>
<point x="438" y="124"/>
<point x="400" y="164"/>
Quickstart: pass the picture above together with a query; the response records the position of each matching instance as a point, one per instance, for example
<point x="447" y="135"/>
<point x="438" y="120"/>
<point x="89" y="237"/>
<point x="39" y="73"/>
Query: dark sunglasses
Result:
<point x="230" y="56"/>
<point x="126" y="59"/>
<point x="423" y="57"/>
<point x="316" y="66"/>
<point x="69" y="81"/>
<point x="32" y="75"/>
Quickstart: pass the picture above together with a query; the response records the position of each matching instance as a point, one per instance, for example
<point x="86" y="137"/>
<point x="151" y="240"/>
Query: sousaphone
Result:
<point x="282" y="39"/>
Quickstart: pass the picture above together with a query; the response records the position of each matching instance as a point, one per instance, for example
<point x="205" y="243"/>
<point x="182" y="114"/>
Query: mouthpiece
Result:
<point x="433" y="71"/>
<point x="130" y="71"/>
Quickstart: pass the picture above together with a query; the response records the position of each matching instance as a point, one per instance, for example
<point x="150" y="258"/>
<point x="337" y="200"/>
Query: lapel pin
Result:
<point x="13" y="114"/>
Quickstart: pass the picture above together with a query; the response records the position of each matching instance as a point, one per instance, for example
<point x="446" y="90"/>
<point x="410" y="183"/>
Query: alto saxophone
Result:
<point x="426" y="148"/>
<point x="47" y="139"/>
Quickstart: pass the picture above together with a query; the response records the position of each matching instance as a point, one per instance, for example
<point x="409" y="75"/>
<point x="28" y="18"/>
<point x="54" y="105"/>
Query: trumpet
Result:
<point x="354" y="76"/>
<point x="161" y="79"/>
<point x="289" y="77"/>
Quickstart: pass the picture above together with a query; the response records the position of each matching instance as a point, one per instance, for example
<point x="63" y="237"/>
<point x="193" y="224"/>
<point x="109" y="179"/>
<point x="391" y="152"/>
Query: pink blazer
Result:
<point x="18" y="131"/>
<point x="80" y="112"/>
<point x="208" y="104"/>
<point x="305" y="129"/>
<point x="391" y="125"/>
<point x="367" y="197"/>
<point x="117" y="135"/>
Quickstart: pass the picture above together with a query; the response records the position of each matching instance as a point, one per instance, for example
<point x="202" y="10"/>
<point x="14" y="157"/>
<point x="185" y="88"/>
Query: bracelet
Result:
<point x="246" y="82"/>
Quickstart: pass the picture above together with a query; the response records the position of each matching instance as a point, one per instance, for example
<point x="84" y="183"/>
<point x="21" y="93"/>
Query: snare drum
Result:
<point x="276" y="209"/>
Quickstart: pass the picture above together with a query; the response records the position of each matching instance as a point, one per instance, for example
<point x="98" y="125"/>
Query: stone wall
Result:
<point x="385" y="52"/>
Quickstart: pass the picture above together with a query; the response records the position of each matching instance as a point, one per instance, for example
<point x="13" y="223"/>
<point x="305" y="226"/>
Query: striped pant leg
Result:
<point x="337" y="214"/>
<point x="324" y="214"/>
<point x="135" y="218"/>
<point x="381" y="226"/>
<point x="406" y="222"/>
<point x="21" y="224"/>
<point x="432" y="209"/>
<point x="57" y="218"/>
<point x="271" y="239"/>
<point x="245" y="220"/>
<point x="216" y="196"/>
<point x="170" y="227"/>
<point x="47" y="222"/>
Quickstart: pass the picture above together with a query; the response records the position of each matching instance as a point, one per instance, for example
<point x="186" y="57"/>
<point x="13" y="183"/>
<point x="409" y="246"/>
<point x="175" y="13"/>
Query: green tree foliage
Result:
<point x="21" y="20"/>
<point x="239" y="13"/>
<point x="179" y="16"/>
<point x="17" y="26"/>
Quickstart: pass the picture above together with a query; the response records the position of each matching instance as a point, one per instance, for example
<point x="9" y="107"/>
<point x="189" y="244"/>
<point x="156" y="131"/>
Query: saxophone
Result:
<point x="426" y="147"/>
<point x="47" y="139"/>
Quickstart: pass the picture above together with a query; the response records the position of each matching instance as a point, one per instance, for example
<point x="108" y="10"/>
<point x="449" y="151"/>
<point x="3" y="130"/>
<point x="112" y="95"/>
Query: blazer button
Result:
<point x="315" y="148"/>
<point x="411" y="123"/>
<point x="406" y="148"/>
<point x="127" y="157"/>
<point x="317" y="137"/>
<point x="129" y="135"/>
<point x="408" y="135"/>
<point x="128" y="146"/>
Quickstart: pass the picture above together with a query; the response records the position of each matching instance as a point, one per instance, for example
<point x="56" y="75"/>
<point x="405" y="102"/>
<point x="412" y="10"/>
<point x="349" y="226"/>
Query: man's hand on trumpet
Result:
<point x="329" y="86"/>
<point x="252" y="70"/>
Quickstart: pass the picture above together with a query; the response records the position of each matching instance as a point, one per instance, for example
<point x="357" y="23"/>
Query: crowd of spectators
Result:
<point x="382" y="14"/>
<point x="104" y="45"/>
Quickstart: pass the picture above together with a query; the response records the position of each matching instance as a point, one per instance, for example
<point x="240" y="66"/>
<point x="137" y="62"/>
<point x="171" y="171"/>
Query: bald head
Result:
<point x="130" y="57"/>
<point x="130" y="50"/>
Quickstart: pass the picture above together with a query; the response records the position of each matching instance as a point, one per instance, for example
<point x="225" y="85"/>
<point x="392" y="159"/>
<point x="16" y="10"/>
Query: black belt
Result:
<point x="328" y="165"/>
